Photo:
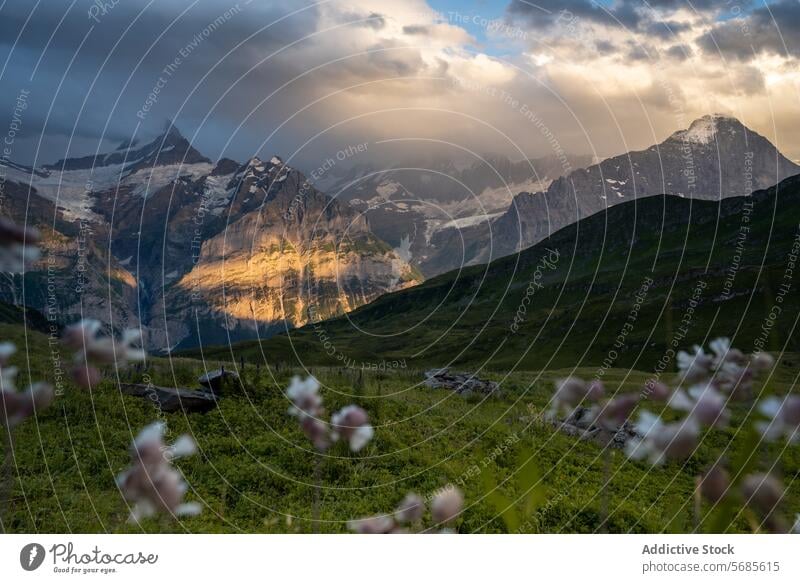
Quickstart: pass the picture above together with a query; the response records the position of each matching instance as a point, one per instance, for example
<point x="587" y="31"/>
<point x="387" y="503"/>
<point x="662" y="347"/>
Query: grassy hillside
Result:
<point x="628" y="285"/>
<point x="254" y="468"/>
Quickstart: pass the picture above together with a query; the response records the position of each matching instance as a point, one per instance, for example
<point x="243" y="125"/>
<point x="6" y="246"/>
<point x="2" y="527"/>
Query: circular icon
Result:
<point x="31" y="556"/>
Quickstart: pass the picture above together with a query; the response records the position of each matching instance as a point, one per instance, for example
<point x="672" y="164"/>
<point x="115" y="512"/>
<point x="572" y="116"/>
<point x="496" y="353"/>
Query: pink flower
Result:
<point x="16" y="406"/>
<point x="305" y="397"/>
<point x="151" y="482"/>
<point x="372" y="525"/>
<point x="785" y="418"/>
<point x="658" y="441"/>
<point x="616" y="411"/>
<point x="695" y="366"/>
<point x="410" y="509"/>
<point x="703" y="403"/>
<point x="85" y="375"/>
<point x="447" y="505"/>
<point x="762" y="361"/>
<point x="351" y="424"/>
<point x="762" y="492"/>
<point x="316" y="430"/>
<point x="17" y="246"/>
<point x="83" y="337"/>
<point x="656" y="390"/>
<point x="571" y="392"/>
<point x="715" y="484"/>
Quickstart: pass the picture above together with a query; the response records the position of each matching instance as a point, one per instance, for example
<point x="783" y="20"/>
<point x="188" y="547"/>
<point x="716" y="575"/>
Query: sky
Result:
<point x="308" y="80"/>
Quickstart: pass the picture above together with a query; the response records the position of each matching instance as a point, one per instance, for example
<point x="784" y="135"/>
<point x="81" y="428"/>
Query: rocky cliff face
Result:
<point x="422" y="207"/>
<point x="158" y="236"/>
<point x="715" y="158"/>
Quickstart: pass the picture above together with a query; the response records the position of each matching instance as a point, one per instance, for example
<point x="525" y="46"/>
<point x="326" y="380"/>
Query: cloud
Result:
<point x="771" y="29"/>
<point x="304" y="80"/>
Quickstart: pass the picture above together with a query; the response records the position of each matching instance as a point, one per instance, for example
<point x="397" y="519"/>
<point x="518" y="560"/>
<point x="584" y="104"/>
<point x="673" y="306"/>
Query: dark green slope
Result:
<point x="629" y="284"/>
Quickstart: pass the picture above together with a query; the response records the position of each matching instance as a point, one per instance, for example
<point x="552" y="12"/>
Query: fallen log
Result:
<point x="171" y="400"/>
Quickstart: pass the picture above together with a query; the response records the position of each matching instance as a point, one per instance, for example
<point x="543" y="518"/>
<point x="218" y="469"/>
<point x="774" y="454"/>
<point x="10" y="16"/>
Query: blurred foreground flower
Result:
<point x="446" y="506"/>
<point x="17" y="246"/>
<point x="16" y="406"/>
<point x="92" y="349"/>
<point x="352" y="424"/>
<point x="659" y="441"/>
<point x="151" y="482"/>
<point x="785" y="418"/>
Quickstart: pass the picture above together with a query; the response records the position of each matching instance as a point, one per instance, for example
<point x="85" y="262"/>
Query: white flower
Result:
<point x="372" y="525"/>
<point x="410" y="509"/>
<point x="351" y="424"/>
<point x="785" y="418"/>
<point x="657" y="441"/>
<point x="571" y="392"/>
<point x="16" y="406"/>
<point x="151" y="482"/>
<point x="694" y="366"/>
<point x="83" y="338"/>
<point x="304" y="395"/>
<point x="703" y="403"/>
<point x="796" y="527"/>
<point x="447" y="505"/>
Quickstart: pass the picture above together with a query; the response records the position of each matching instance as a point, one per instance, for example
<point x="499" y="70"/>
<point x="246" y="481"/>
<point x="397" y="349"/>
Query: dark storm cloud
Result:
<point x="774" y="28"/>
<point x="77" y="78"/>
<point x="666" y="29"/>
<point x="679" y="52"/>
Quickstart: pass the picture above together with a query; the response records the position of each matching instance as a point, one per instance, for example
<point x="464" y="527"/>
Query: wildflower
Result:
<point x="83" y="337"/>
<point x="616" y="411"/>
<point x="410" y="509"/>
<point x="16" y="406"/>
<point x="695" y="366"/>
<point x="571" y="392"/>
<point x="762" y="361"/>
<point x="658" y="441"/>
<point x="785" y="418"/>
<point x="151" y="482"/>
<point x="715" y="484"/>
<point x="17" y="246"/>
<point x="735" y="379"/>
<point x="703" y="403"/>
<point x="85" y="375"/>
<point x="372" y="525"/>
<point x="724" y="353"/>
<point x="656" y="390"/>
<point x="305" y="397"/>
<point x="762" y="492"/>
<point x="315" y="430"/>
<point x="447" y="505"/>
<point x="351" y="424"/>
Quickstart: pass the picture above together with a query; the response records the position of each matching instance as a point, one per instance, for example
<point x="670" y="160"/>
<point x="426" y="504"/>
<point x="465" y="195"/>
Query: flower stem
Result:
<point x="315" y="508"/>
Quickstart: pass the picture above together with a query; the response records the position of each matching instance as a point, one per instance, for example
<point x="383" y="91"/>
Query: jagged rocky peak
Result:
<point x="225" y="167"/>
<point x="709" y="128"/>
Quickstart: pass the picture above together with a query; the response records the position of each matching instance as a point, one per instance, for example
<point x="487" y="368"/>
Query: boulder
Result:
<point x="462" y="383"/>
<point x="221" y="381"/>
<point x="170" y="400"/>
<point x="580" y="423"/>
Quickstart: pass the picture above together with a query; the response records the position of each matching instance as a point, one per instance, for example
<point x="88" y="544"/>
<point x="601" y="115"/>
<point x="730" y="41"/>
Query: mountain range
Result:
<point x="626" y="287"/>
<point x="192" y="251"/>
<point x="197" y="252"/>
